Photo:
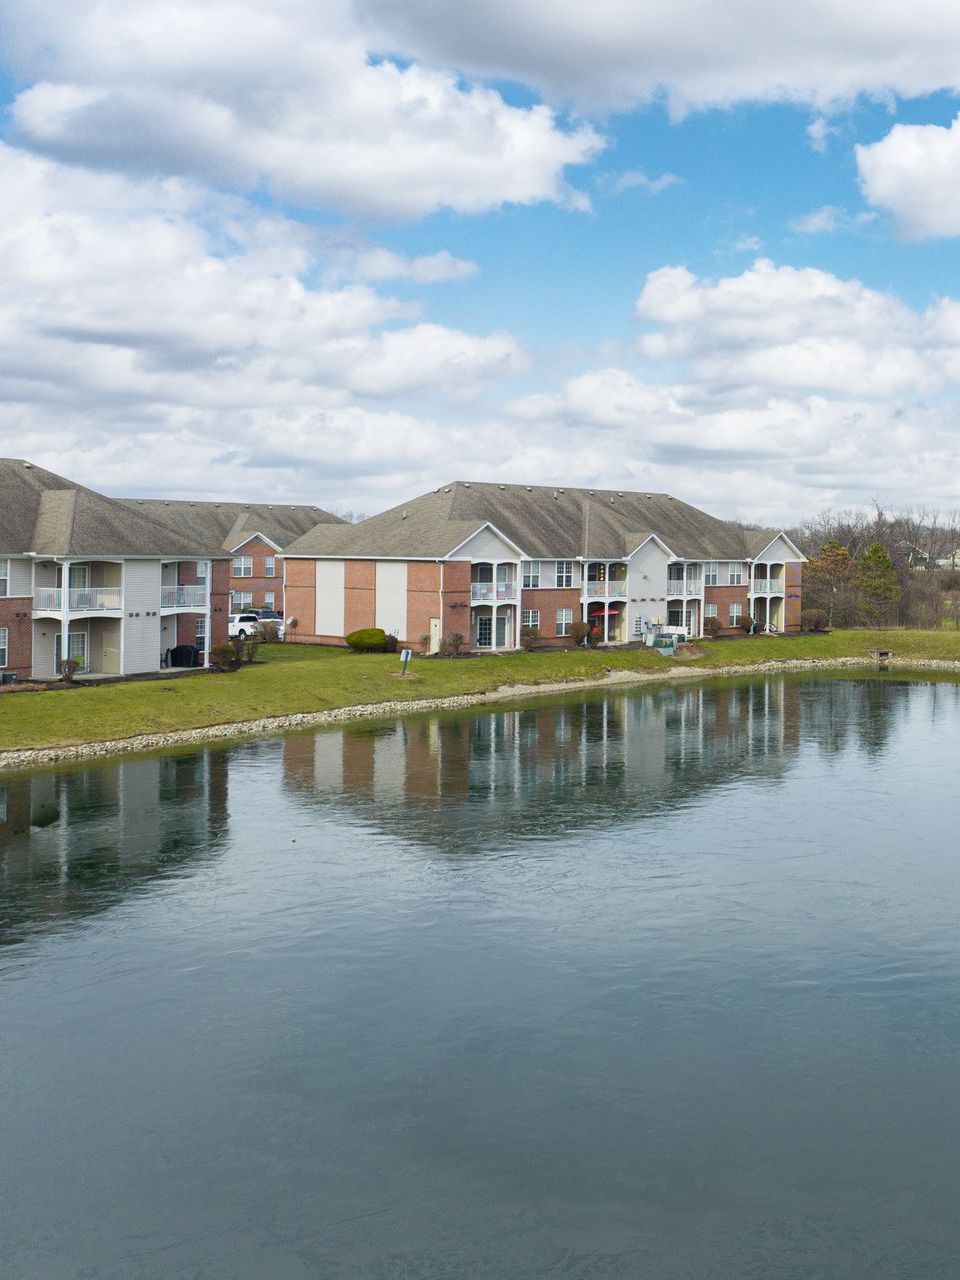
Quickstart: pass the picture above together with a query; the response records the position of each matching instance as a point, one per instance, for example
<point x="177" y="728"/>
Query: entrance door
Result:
<point x="484" y="631"/>
<point x="434" y="635"/>
<point x="501" y="630"/>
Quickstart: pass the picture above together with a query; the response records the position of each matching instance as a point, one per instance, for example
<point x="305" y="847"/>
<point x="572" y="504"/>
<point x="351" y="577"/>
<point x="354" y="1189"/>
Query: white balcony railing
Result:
<point x="677" y="587"/>
<point x="766" y="586"/>
<point x="89" y="599"/>
<point x="493" y="593"/>
<point x="79" y="599"/>
<point x="188" y="597"/>
<point x="607" y="590"/>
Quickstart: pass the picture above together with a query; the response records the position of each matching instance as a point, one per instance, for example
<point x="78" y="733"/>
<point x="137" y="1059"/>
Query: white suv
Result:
<point x="243" y="624"/>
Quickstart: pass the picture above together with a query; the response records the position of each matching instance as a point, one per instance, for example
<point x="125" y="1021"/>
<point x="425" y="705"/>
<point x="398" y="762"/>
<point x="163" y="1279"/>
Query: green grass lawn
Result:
<point x="309" y="678"/>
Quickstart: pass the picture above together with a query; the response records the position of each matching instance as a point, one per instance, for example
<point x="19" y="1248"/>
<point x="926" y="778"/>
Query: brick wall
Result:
<point x="359" y="595"/>
<point x="219" y="601"/>
<point x="423" y="600"/>
<point x="300" y="601"/>
<point x="548" y="600"/>
<point x="16" y="615"/>
<point x="259" y="584"/>
<point x="793" y="600"/>
<point x="723" y="597"/>
<point x="456" y="598"/>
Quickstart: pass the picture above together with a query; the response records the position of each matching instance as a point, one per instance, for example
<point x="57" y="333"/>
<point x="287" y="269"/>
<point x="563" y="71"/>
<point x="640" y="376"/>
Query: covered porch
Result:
<point x="683" y="616"/>
<point x="767" y="613"/>
<point x="608" y="620"/>
<point x="494" y="627"/>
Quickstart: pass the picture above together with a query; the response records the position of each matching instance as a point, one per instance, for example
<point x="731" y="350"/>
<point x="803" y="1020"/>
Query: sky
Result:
<point x="345" y="251"/>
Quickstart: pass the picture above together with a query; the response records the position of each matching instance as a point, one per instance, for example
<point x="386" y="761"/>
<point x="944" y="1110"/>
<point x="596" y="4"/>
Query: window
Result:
<point x="674" y="617"/>
<point x="201" y="572"/>
<point x="736" y="608"/>
<point x="564" y="616"/>
<point x="530" y="618"/>
<point x="531" y="573"/>
<point x="709" y="610"/>
<point x="243" y="566"/>
<point x="269" y="566"/>
<point x="200" y="634"/>
<point x="4" y="646"/>
<point x="675" y="575"/>
<point x="735" y="574"/>
<point x="242" y="599"/>
<point x="564" y="579"/>
<point x="268" y="600"/>
<point x="710" y="573"/>
<point x="4" y="577"/>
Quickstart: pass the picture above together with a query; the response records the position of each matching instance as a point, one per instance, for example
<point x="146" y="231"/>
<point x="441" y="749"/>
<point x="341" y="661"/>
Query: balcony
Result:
<point x="767" y="586"/>
<point x="79" y="599"/>
<point x="606" y="590"/>
<point x="494" y="593"/>
<point x="677" y="588"/>
<point x="188" y="597"/>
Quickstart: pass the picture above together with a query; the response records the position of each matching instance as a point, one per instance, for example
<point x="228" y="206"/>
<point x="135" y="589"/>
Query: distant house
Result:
<point x="485" y="560"/>
<point x="83" y="576"/>
<point x="253" y="534"/>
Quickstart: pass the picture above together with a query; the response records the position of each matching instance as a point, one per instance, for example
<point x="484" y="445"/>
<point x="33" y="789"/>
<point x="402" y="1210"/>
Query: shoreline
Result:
<point x="33" y="757"/>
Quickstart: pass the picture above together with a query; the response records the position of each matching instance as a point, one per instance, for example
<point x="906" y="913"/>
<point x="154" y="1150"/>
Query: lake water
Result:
<point x="661" y="985"/>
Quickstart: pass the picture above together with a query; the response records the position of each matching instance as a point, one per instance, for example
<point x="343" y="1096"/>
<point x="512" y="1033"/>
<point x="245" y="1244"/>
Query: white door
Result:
<point x="434" y="635"/>
<point x="501" y="630"/>
<point x="484" y="631"/>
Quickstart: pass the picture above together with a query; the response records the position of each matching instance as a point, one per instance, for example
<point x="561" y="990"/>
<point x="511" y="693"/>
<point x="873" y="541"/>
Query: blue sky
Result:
<point x="267" y="252"/>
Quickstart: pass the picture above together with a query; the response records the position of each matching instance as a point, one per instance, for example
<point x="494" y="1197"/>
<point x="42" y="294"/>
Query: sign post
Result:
<point x="405" y="656"/>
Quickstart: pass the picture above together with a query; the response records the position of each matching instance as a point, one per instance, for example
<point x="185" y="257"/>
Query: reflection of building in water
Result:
<point x="553" y="767"/>
<point x="75" y="842"/>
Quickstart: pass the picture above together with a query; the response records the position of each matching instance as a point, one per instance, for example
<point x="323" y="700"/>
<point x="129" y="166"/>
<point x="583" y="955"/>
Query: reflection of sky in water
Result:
<point x="662" y="984"/>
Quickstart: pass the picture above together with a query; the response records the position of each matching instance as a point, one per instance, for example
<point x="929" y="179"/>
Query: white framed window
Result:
<point x="710" y="573"/>
<point x="268" y="600"/>
<point x="4" y="577"/>
<point x="530" y="618"/>
<point x="736" y="609"/>
<point x="735" y="575"/>
<point x="201" y="572"/>
<point x="564" y="616"/>
<point x="4" y="646"/>
<point x="242" y="600"/>
<point x="269" y="566"/>
<point x="200" y="633"/>
<point x="564" y="578"/>
<point x="710" y="610"/>
<point x="531" y="573"/>
<point x="243" y="566"/>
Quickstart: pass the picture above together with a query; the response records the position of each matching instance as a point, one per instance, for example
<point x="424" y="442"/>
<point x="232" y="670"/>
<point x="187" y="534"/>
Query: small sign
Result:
<point x="405" y="656"/>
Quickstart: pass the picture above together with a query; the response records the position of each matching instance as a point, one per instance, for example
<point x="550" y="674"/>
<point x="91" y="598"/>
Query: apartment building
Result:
<point x="83" y="576"/>
<point x="253" y="534"/>
<point x="486" y="559"/>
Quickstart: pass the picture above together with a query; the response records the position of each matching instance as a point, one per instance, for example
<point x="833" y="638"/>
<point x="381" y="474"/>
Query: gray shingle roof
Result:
<point x="47" y="514"/>
<point x="228" y="524"/>
<point x="543" y="521"/>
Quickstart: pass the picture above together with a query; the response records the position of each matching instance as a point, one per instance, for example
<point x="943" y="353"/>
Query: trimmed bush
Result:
<point x="390" y="643"/>
<point x="368" y="640"/>
<point x="813" y="620"/>
<point x="224" y="657"/>
<point x="528" y="638"/>
<point x="745" y="623"/>
<point x="69" y="668"/>
<point x="711" y="627"/>
<point x="579" y="631"/>
<point x="425" y="644"/>
<point x="450" y="645"/>
<point x="268" y="632"/>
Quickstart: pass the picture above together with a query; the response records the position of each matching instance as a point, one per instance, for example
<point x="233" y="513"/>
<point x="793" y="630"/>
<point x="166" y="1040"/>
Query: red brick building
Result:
<point x="484" y="560"/>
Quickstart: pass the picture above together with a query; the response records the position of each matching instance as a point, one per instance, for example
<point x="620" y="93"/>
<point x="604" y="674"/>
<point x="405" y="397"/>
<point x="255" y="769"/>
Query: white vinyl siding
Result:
<point x="269" y="566"/>
<point x="243" y="566"/>
<point x="4" y="647"/>
<point x="531" y="573"/>
<point x="530" y="618"/>
<point x="391" y="603"/>
<point x="329" y="602"/>
<point x="564" y="621"/>
<point x="141" y="634"/>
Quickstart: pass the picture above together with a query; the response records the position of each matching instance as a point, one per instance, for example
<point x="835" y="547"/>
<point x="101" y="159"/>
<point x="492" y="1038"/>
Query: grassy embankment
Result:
<point x="296" y="678"/>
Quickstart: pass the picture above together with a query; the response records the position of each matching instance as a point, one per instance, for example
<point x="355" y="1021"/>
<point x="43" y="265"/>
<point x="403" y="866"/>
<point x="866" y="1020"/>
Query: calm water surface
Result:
<point x="661" y="985"/>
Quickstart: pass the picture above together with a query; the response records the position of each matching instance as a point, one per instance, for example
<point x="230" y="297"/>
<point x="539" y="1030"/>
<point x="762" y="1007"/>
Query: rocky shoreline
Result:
<point x="33" y="757"/>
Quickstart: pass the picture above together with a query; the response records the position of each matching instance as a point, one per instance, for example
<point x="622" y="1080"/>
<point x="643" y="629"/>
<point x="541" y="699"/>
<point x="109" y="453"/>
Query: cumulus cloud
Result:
<point x="286" y="99"/>
<point x="693" y="53"/>
<point x="915" y="173"/>
<point x="632" y="179"/>
<point x="830" y="218"/>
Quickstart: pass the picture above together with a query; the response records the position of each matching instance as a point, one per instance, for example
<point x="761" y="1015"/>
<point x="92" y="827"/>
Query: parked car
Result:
<point x="271" y="615"/>
<point x="243" y="624"/>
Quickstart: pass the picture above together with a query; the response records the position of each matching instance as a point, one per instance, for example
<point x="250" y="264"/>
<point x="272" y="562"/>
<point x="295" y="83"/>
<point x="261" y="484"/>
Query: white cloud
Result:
<point x="915" y="173"/>
<point x="819" y="130"/>
<point x="694" y="53"/>
<point x="286" y="99"/>
<point x="634" y="178"/>
<point x="830" y="218"/>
